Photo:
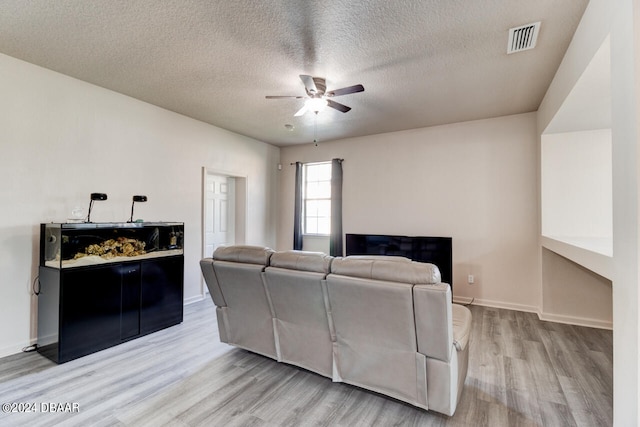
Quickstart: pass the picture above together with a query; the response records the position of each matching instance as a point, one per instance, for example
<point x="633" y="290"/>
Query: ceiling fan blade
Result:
<point x="338" y="106"/>
<point x="309" y="83"/>
<point x="283" y="96"/>
<point x="301" y="111"/>
<point x="346" y="90"/>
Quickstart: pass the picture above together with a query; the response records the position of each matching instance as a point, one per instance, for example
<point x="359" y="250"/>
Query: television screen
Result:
<point x="436" y="250"/>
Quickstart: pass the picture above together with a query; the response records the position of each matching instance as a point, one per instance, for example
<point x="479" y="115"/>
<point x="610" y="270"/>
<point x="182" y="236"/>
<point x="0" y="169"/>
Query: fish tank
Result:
<point x="68" y="245"/>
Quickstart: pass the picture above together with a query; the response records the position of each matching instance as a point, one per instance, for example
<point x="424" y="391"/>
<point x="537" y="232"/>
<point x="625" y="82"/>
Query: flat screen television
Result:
<point x="436" y="250"/>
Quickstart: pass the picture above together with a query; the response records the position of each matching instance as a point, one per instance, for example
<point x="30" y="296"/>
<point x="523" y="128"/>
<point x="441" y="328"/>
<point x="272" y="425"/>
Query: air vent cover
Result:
<point x="523" y="38"/>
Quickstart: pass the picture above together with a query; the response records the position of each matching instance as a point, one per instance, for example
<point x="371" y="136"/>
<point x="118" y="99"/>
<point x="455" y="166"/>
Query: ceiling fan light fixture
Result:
<point x="318" y="98"/>
<point x="316" y="104"/>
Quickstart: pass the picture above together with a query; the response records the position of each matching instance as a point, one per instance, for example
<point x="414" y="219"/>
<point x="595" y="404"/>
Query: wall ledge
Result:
<point x="597" y="262"/>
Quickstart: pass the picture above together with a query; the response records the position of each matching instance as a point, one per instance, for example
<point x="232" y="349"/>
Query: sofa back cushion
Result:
<point x="248" y="317"/>
<point x="393" y="269"/>
<point x="302" y="261"/>
<point x="296" y="284"/>
<point x="374" y="318"/>
<point x="243" y="253"/>
<point x="374" y="313"/>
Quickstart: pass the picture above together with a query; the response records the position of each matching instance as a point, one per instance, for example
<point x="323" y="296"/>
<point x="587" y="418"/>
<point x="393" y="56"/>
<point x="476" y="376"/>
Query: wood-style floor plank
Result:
<point x="522" y="372"/>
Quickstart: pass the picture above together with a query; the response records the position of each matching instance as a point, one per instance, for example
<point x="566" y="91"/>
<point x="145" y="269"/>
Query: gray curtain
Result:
<point x="335" y="239"/>
<point x="297" y="215"/>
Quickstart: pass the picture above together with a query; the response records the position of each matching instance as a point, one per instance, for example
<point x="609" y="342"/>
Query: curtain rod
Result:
<point x="293" y="163"/>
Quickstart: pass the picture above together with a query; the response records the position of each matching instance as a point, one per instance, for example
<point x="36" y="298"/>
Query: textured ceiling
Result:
<point x="422" y="62"/>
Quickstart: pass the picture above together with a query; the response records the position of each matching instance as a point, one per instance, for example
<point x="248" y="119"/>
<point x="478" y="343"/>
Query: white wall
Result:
<point x="473" y="181"/>
<point x="620" y="19"/>
<point x="63" y="139"/>
<point x="576" y="187"/>
<point x="576" y="183"/>
<point x="576" y="157"/>
<point x="574" y="294"/>
<point x="625" y="82"/>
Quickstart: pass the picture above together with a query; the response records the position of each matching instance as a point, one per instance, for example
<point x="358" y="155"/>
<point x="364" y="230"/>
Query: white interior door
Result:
<point x="219" y="212"/>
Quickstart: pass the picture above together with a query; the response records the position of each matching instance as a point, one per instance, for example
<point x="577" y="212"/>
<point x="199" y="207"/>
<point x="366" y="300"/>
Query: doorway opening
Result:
<point x="224" y="211"/>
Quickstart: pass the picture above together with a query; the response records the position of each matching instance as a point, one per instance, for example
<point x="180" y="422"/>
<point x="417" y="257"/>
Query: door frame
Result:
<point x="240" y="212"/>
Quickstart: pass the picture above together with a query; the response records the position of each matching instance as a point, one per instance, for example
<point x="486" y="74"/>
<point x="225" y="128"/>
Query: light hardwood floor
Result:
<point x="522" y="372"/>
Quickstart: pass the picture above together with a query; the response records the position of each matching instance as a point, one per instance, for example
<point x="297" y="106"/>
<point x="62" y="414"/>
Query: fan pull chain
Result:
<point x="315" y="129"/>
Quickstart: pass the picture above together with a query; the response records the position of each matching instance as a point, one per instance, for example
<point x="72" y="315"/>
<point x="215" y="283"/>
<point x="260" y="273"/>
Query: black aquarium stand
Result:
<point x="104" y="284"/>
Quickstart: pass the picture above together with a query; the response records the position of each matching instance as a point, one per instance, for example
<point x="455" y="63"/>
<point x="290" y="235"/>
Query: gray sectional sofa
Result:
<point x="385" y="324"/>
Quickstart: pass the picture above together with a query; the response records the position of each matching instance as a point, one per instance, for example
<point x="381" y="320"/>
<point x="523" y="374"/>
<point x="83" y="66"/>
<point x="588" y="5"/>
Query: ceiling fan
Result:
<point x="318" y="97"/>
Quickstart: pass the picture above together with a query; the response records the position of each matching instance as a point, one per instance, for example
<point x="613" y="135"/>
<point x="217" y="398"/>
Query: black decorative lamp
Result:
<point x="95" y="196"/>
<point x="136" y="199"/>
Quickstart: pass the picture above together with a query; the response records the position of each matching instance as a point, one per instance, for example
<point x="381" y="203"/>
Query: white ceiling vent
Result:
<point x="523" y="38"/>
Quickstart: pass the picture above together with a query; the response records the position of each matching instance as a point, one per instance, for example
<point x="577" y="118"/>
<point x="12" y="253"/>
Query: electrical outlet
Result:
<point x="471" y="279"/>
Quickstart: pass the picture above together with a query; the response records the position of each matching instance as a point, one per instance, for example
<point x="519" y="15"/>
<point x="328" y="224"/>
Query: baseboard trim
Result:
<point x="193" y="299"/>
<point x="547" y="317"/>
<point x="578" y="321"/>
<point x="10" y="350"/>
<point x="462" y="300"/>
<point x="496" y="304"/>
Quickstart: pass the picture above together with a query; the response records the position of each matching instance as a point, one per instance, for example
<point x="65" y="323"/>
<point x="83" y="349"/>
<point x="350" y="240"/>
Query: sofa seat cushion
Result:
<point x="461" y="326"/>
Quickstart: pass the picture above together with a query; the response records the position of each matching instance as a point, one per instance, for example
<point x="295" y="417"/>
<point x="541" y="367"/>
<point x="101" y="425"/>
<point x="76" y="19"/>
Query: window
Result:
<point x="316" y="197"/>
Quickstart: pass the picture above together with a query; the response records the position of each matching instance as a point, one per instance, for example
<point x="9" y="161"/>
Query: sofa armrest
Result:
<point x="433" y="318"/>
<point x="461" y="326"/>
<point x="210" y="279"/>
